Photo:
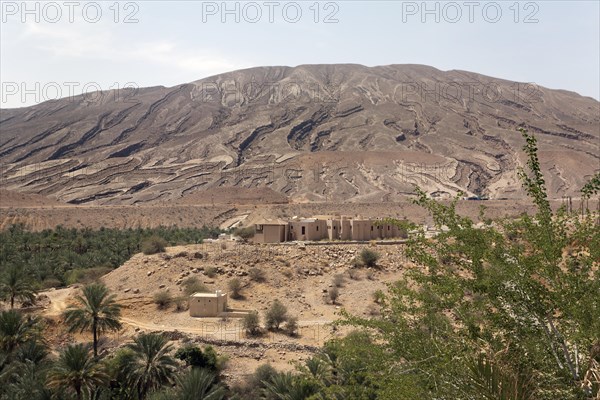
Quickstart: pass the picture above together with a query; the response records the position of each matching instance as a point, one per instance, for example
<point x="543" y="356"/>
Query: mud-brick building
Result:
<point x="325" y="227"/>
<point x="271" y="231"/>
<point x="208" y="304"/>
<point x="308" y="229"/>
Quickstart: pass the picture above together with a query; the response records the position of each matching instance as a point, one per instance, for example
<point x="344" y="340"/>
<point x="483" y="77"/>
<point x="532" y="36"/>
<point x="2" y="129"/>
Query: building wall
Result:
<point x="271" y="234"/>
<point x="375" y="231"/>
<point x="361" y="230"/>
<point x="346" y="231"/>
<point x="207" y="306"/>
<point x="308" y="230"/>
<point x="333" y="229"/>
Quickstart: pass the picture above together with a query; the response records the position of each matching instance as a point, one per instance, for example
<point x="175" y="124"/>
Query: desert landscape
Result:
<point x="359" y="135"/>
<point x="313" y="268"/>
<point x="141" y="201"/>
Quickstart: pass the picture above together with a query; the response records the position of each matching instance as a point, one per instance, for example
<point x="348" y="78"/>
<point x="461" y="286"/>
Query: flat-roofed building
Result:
<point x="325" y="227"/>
<point x="208" y="304"/>
<point x="271" y="231"/>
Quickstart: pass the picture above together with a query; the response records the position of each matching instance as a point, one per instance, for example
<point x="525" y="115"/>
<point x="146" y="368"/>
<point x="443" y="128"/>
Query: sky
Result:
<point x="57" y="49"/>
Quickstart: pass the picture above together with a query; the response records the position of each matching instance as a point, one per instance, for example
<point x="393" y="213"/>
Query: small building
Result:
<point x="271" y="231"/>
<point x="208" y="304"/>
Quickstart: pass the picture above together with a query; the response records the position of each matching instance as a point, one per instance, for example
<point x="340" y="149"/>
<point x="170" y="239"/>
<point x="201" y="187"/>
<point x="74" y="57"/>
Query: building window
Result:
<point x="388" y="227"/>
<point x="371" y="229"/>
<point x="317" y="229"/>
<point x="303" y="230"/>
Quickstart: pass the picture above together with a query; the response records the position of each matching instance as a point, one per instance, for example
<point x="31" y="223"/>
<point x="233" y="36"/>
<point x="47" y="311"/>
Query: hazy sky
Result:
<point x="79" y="46"/>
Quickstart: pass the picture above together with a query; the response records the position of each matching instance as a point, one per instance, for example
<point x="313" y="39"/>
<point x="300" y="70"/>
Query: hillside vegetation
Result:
<point x="60" y="256"/>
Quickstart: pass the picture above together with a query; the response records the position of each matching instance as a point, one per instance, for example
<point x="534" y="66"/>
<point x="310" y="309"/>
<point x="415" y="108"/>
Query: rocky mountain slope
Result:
<point x="311" y="133"/>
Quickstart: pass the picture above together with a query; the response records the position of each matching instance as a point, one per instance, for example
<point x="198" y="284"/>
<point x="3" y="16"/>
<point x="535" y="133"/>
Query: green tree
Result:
<point x="17" y="330"/>
<point x="77" y="371"/>
<point x="244" y="233"/>
<point x="196" y="358"/>
<point x="251" y="323"/>
<point x="591" y="187"/>
<point x="98" y="312"/>
<point x="150" y="365"/>
<point x="235" y="287"/>
<point x="288" y="386"/>
<point x="513" y="301"/>
<point x="276" y="315"/>
<point x="16" y="285"/>
<point x="199" y="384"/>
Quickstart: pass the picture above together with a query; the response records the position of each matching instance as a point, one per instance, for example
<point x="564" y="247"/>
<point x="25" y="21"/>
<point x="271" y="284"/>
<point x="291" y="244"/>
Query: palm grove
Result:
<point x="507" y="310"/>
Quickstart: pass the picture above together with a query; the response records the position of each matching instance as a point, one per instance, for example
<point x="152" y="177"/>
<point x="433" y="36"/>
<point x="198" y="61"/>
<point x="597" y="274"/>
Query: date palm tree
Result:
<point x="98" y="312"/>
<point x="15" y="285"/>
<point x="16" y="330"/>
<point x="150" y="366"/>
<point x="75" y="370"/>
<point x="199" y="384"/>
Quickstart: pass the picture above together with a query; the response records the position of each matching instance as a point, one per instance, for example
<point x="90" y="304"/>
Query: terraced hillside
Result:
<point x="311" y="133"/>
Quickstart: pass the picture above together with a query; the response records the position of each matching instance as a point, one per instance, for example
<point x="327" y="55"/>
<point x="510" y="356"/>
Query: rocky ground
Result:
<point x="298" y="275"/>
<point x="353" y="133"/>
<point x="38" y="213"/>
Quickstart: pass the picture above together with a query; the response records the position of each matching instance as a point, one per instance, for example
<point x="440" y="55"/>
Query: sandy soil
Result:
<point x="225" y="215"/>
<point x="296" y="275"/>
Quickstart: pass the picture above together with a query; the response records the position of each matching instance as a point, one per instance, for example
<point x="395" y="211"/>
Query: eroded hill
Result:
<point x="310" y="133"/>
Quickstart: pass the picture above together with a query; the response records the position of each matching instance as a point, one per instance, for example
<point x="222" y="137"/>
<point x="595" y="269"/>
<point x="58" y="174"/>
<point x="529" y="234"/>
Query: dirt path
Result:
<point x="58" y="301"/>
<point x="60" y="298"/>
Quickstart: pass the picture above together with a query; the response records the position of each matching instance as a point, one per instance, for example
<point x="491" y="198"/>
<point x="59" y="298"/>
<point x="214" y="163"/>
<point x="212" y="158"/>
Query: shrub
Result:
<point x="154" y="244"/>
<point x="354" y="274"/>
<point x="192" y="355"/>
<point x="334" y="293"/>
<point x="251" y="323"/>
<point x="235" y="287"/>
<point x="276" y="315"/>
<point x="370" y="275"/>
<point x="51" y="283"/>
<point x="257" y="274"/>
<point x="181" y="304"/>
<point x="193" y="285"/>
<point x="369" y="257"/>
<point x="253" y="387"/>
<point x="244" y="233"/>
<point x="86" y="276"/>
<point x="338" y="280"/>
<point x="196" y="358"/>
<point x="291" y="326"/>
<point x="213" y="360"/>
<point x="378" y="296"/>
<point x="163" y="299"/>
<point x="211" y="272"/>
<point x="357" y="263"/>
<point x="264" y="373"/>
